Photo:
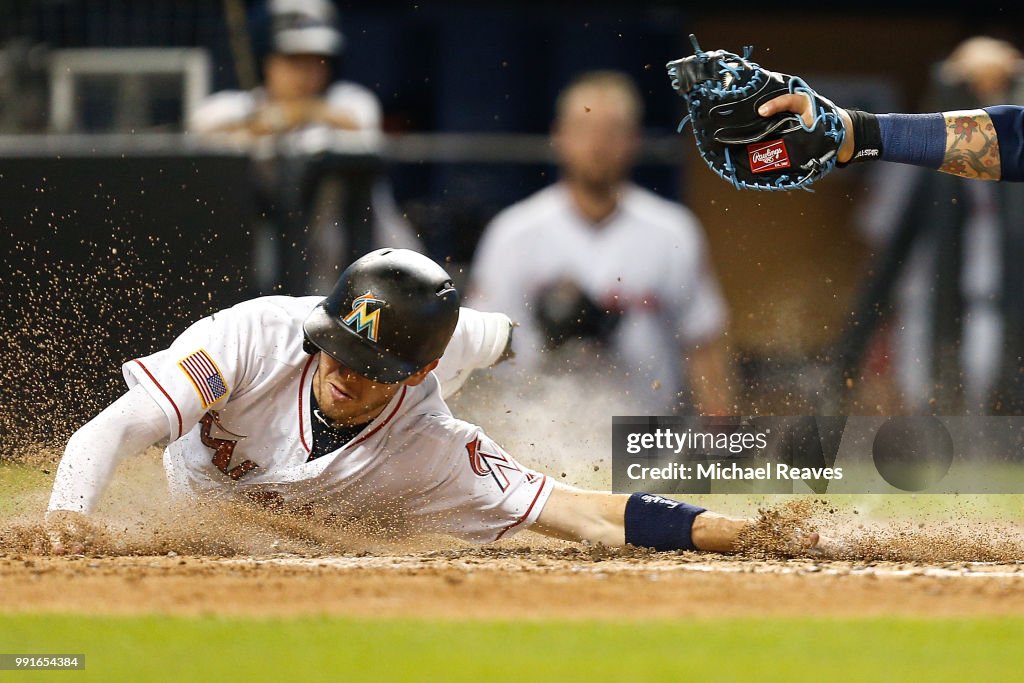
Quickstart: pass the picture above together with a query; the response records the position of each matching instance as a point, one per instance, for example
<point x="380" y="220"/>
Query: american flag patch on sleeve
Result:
<point x="205" y="377"/>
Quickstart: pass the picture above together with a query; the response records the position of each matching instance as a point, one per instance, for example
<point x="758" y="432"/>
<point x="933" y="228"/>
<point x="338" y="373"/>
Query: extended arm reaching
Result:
<point x="126" y="427"/>
<point x="986" y="144"/>
<point x="644" y="520"/>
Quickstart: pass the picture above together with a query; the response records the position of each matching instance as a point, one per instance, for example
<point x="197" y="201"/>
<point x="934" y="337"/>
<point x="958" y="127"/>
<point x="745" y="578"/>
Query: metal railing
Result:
<point x="484" y="148"/>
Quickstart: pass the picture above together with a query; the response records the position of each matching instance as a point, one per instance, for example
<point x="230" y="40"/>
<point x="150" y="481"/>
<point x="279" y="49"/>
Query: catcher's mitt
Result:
<point x="723" y="91"/>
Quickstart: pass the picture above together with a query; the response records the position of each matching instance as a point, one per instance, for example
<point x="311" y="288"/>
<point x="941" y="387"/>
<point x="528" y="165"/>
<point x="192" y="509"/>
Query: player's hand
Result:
<point x="827" y="547"/>
<point x="273" y="118"/>
<point x="287" y="115"/>
<point x="815" y="544"/>
<point x="801" y="104"/>
<point x="68" y="533"/>
<point x="280" y="117"/>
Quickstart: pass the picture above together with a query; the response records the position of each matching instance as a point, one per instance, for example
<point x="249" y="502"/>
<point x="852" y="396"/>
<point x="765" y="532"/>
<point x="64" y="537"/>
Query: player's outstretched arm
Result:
<point x="640" y="519"/>
<point x="986" y="144"/>
<point x="128" y="426"/>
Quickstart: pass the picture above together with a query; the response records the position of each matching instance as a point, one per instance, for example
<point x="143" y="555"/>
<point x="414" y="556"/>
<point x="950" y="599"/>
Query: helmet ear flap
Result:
<point x="309" y="347"/>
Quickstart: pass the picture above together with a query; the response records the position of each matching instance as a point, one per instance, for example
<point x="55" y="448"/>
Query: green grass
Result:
<point x="16" y="480"/>
<point x="333" y="649"/>
<point x="338" y="649"/>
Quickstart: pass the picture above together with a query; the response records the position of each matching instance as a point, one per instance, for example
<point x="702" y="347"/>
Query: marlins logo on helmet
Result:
<point x="363" y="318"/>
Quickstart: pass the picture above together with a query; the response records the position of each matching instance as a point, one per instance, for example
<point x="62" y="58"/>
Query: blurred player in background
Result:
<point x="985" y="143"/>
<point x="335" y="408"/>
<point x="963" y="230"/>
<point x="298" y="98"/>
<point x="606" y="278"/>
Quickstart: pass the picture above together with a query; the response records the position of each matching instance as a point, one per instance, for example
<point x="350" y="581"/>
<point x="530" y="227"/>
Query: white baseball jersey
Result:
<point x="648" y="259"/>
<point x="390" y="227"/>
<point x="240" y="377"/>
<point x="235" y="106"/>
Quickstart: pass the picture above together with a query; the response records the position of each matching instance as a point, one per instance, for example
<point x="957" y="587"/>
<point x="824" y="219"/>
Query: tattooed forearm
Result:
<point x="972" y="150"/>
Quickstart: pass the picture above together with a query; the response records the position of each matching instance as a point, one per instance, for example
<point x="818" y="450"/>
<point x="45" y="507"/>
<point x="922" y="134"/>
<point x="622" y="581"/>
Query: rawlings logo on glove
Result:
<point x="768" y="156"/>
<point x="723" y="91"/>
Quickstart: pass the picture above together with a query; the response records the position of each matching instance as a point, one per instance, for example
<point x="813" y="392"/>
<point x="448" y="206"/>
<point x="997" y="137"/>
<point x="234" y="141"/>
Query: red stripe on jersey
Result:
<point x="164" y="392"/>
<point x="386" y="420"/>
<point x="526" y="514"/>
<point x="302" y="395"/>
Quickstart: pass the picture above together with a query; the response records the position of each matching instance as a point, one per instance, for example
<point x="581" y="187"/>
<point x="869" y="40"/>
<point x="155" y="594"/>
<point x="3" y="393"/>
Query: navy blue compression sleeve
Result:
<point x="1009" y="124"/>
<point x="917" y="139"/>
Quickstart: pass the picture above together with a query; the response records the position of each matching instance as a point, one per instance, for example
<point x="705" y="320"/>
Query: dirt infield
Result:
<point x="524" y="580"/>
<point x="924" y="557"/>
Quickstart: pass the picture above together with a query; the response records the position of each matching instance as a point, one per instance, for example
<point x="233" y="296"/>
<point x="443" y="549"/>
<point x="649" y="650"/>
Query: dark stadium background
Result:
<point x="790" y="265"/>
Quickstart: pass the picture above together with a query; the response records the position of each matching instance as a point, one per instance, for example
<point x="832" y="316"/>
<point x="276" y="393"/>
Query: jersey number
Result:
<point x="223" y="450"/>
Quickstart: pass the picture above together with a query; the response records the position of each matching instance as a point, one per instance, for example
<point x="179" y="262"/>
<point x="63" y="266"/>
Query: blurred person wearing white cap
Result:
<point x="297" y="91"/>
<point x="298" y="96"/>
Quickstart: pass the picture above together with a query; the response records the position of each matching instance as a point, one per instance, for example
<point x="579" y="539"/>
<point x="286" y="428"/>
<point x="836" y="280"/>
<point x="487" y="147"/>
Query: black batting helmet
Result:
<point x="391" y="313"/>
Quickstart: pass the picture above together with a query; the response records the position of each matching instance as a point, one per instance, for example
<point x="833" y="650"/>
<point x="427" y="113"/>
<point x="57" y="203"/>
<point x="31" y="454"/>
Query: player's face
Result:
<point x="597" y="138"/>
<point x="348" y="398"/>
<point x="296" y="77"/>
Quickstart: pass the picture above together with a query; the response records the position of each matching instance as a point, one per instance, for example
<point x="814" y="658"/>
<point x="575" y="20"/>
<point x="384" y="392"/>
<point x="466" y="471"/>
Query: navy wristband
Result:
<point x="660" y="523"/>
<point x="917" y="139"/>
